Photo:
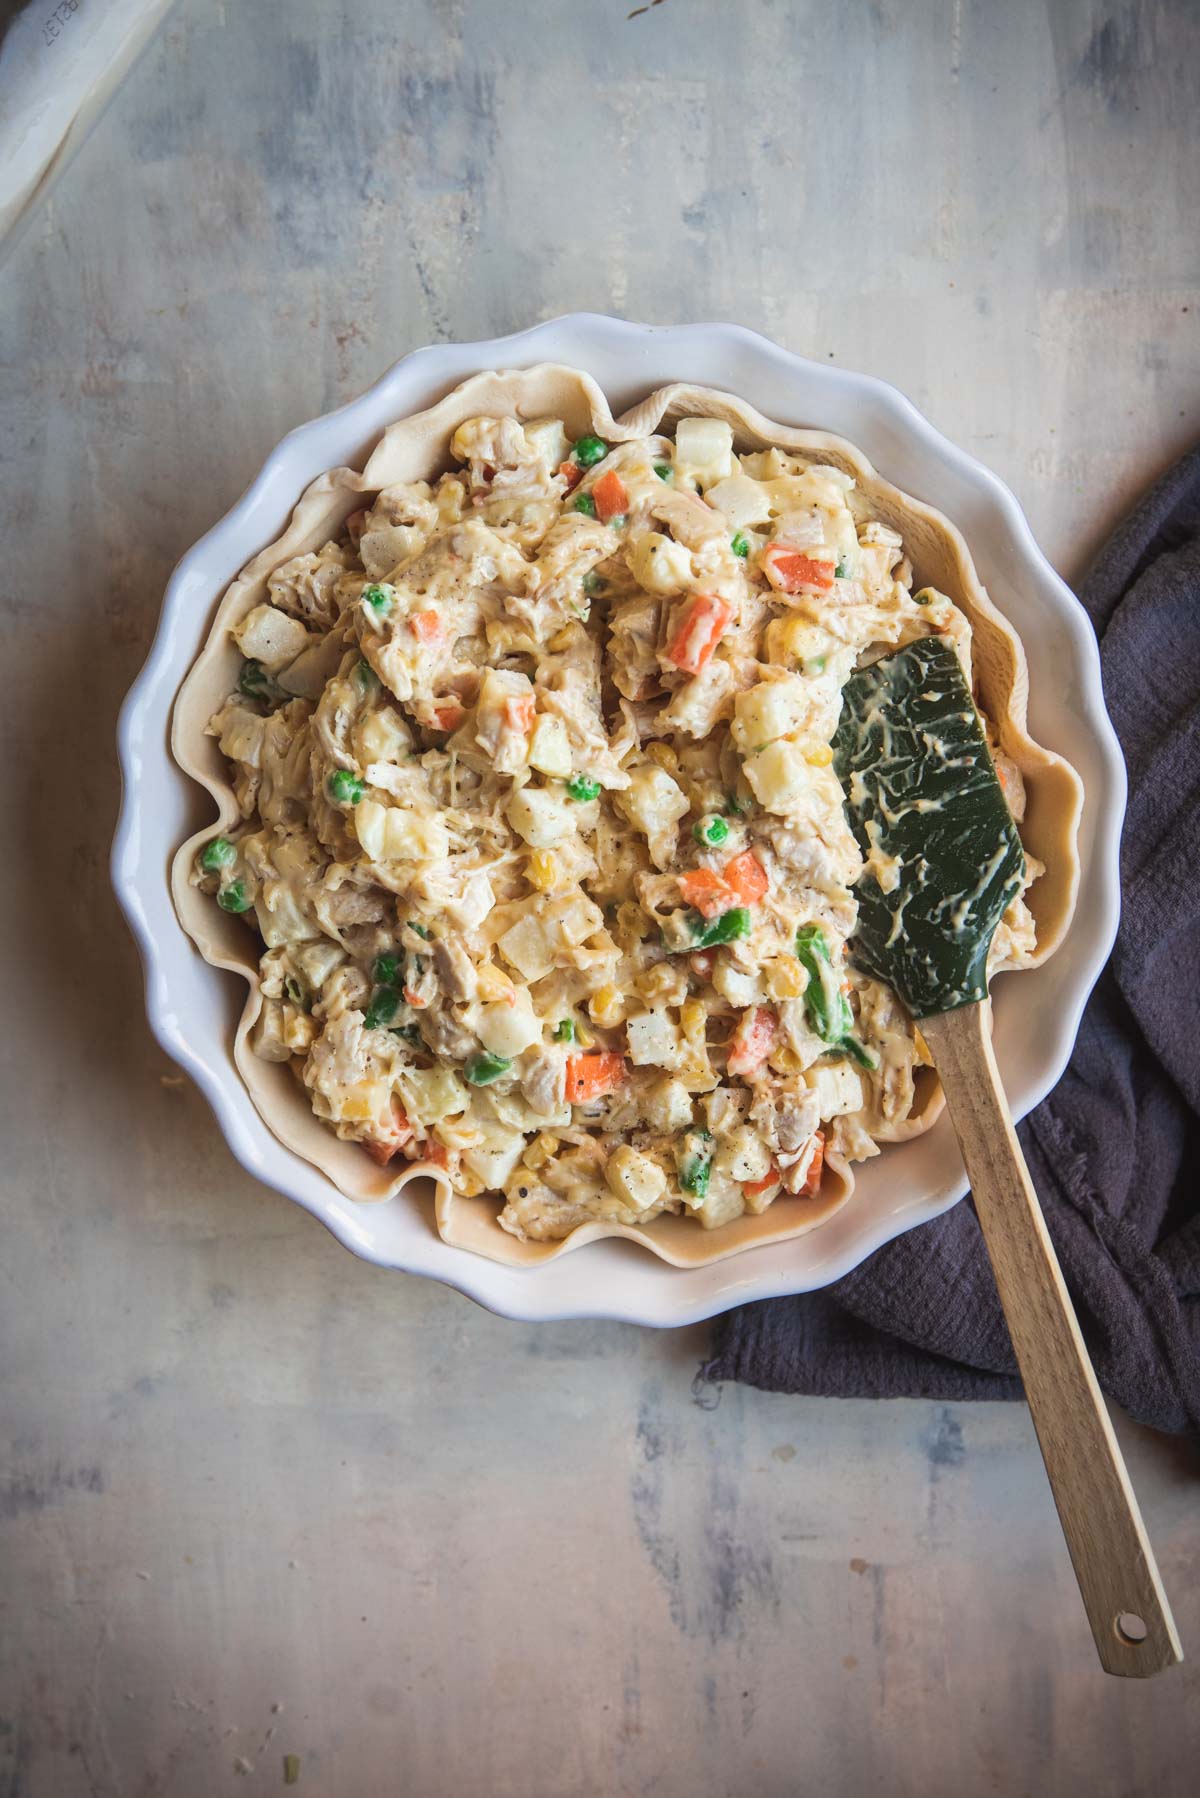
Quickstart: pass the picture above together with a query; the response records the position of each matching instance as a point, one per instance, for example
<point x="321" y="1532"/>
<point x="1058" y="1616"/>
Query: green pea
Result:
<point x="711" y="831"/>
<point x="385" y="1003"/>
<point x="386" y="971"/>
<point x="581" y="788"/>
<point x="590" y="450"/>
<point x="564" y="1031"/>
<point x="345" y="788"/>
<point x="664" y="471"/>
<point x="586" y="504"/>
<point x="482" y="1069"/>
<point x="218" y="854"/>
<point x="233" y="897"/>
<point x="740" y="544"/>
<point x="839" y="573"/>
<point x="380" y="599"/>
<point x="618" y="522"/>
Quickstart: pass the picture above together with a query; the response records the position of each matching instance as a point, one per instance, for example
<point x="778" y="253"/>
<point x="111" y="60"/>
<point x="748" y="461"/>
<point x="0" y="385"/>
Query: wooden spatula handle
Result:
<point x="1114" y="1562"/>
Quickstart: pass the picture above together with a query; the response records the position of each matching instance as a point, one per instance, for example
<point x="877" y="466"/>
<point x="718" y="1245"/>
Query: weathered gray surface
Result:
<point x="258" y="1498"/>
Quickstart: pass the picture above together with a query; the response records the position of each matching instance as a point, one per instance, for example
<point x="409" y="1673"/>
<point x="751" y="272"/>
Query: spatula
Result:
<point x="944" y="861"/>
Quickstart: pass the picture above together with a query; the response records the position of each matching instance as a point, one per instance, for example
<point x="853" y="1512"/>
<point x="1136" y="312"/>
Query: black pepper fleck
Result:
<point x="522" y="1192"/>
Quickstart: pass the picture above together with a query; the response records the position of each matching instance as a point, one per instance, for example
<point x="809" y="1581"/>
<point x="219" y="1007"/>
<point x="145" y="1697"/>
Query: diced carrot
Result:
<point x="438" y="1153"/>
<point x="791" y="571"/>
<point x="448" y="714"/>
<point x="571" y="473"/>
<point x="591" y="1076"/>
<point x="413" y="998"/>
<point x="752" y="1188"/>
<point x="751" y="1042"/>
<point x="427" y="627"/>
<point x="747" y="876"/>
<point x="812" y="1179"/>
<point x="702" y="624"/>
<point x="520" y="712"/>
<point x="610" y="496"/>
<point x="355" y="524"/>
<point x="706" y="891"/>
<point x="389" y="1136"/>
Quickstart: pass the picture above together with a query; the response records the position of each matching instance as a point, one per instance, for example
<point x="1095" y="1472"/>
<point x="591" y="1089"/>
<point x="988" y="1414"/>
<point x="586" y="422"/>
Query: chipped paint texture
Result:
<point x="258" y="1500"/>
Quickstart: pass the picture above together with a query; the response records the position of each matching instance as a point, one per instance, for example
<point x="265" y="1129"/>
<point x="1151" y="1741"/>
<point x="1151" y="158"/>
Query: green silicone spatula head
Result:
<point x="943" y="856"/>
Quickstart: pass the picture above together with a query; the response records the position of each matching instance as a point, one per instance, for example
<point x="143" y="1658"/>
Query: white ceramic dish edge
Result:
<point x="615" y="1280"/>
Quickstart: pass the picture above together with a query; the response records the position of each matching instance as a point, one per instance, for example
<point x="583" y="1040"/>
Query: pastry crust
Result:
<point x="417" y="448"/>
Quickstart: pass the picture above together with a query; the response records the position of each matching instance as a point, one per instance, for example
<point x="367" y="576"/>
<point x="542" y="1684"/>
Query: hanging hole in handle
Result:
<point x="1131" y="1628"/>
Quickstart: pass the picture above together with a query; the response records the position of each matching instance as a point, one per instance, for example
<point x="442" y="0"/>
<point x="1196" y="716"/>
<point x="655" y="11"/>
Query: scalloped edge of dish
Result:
<point x="507" y="1290"/>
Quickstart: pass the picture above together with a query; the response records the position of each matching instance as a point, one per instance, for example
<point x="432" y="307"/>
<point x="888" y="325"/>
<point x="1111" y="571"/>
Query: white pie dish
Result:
<point x="1034" y="1032"/>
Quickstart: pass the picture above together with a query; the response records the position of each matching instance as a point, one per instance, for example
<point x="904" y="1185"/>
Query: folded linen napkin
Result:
<point x="1115" y="1149"/>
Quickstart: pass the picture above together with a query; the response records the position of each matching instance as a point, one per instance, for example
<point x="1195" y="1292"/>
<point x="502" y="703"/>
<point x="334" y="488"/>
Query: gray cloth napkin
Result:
<point x="1115" y="1150"/>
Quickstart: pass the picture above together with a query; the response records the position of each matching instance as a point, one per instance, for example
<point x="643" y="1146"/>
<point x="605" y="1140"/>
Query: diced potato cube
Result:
<point x="722" y="1203"/>
<point x="634" y="1178"/>
<point x="743" y="1155"/>
<point x="652" y="802"/>
<point x="312" y="668"/>
<point x="659" y="564"/>
<point x="430" y="1094"/>
<point x="735" y="984"/>
<point x="548" y="441"/>
<point x="382" y="737"/>
<point x="743" y="502"/>
<point x="781" y="778"/>
<point x="527" y="946"/>
<point x="369" y="821"/>
<point x="509" y="1029"/>
<point x="653" y="1041"/>
<point x="772" y="709"/>
<point x="315" y="962"/>
<point x="269" y="636"/>
<point x="704" y="449"/>
<point x="550" y="747"/>
<point x="838" y="1088"/>
<point x="575" y="917"/>
<point x="410" y="837"/>
<point x="494" y="1159"/>
<point x="667" y="1105"/>
<point x="539" y="816"/>
<point x="471" y="905"/>
<point x="267" y="1035"/>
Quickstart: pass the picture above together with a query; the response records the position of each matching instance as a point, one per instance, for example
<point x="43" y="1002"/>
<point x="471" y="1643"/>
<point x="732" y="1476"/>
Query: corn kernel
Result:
<point x="664" y="756"/>
<point x="542" y="870"/>
<point x="607" y="1007"/>
<point x="540" y="1151"/>
<point x="820" y="757"/>
<point x="494" y="984"/>
<point x="693" y="1017"/>
<point x="786" y="1060"/>
<point x="583" y="1035"/>
<point x="785" y="978"/>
